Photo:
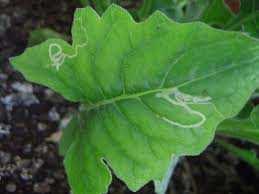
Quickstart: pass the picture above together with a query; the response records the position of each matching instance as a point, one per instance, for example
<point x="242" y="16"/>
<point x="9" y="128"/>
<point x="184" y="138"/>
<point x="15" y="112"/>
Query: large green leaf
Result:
<point x="151" y="90"/>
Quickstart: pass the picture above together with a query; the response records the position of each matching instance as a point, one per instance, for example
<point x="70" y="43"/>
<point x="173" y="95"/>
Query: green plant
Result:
<point x="100" y="5"/>
<point x="182" y="10"/>
<point x="248" y="156"/>
<point x="244" y="127"/>
<point x="150" y="92"/>
<point x="243" y="18"/>
<point x="179" y="10"/>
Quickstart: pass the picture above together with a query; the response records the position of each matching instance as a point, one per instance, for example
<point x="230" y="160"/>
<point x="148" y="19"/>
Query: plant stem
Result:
<point x="161" y="186"/>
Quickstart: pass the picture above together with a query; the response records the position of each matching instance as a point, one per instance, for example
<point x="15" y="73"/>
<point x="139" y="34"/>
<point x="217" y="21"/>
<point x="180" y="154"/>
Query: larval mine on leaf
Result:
<point x="151" y="90"/>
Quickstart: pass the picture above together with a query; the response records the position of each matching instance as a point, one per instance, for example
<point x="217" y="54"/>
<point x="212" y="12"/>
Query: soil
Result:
<point x="30" y="114"/>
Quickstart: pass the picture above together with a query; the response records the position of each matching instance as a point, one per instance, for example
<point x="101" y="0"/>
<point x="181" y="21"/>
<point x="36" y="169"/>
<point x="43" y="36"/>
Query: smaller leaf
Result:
<point x="184" y="11"/>
<point x="246" y="19"/>
<point x="146" y="9"/>
<point x="217" y="14"/>
<point x="255" y="116"/>
<point x="244" y="129"/>
<point x="246" y="110"/>
<point x="241" y="15"/>
<point x="246" y="155"/>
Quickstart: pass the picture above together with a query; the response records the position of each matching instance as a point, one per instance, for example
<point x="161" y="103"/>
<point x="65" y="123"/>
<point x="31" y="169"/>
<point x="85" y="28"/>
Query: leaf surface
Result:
<point x="151" y="90"/>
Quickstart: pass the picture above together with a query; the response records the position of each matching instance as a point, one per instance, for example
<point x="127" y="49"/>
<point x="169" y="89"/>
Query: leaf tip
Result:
<point x="13" y="61"/>
<point x="116" y="11"/>
<point x="160" y="17"/>
<point x="87" y="11"/>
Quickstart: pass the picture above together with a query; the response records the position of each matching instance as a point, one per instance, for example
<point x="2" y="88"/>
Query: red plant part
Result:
<point x="234" y="5"/>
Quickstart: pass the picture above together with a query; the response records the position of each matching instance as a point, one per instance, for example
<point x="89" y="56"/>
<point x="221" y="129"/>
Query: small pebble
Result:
<point x="64" y="121"/>
<point x="48" y="93"/>
<point x="25" y="175"/>
<point x="10" y="187"/>
<point x="27" y="149"/>
<point x="21" y="163"/>
<point x="50" y="180"/>
<point x="3" y="77"/>
<point x="41" y="188"/>
<point x="55" y="137"/>
<point x="52" y="96"/>
<point x="59" y="175"/>
<point x="41" y="126"/>
<point x="5" y="23"/>
<point x="22" y="87"/>
<point x="38" y="163"/>
<point x="25" y="99"/>
<point x="4" y="130"/>
<point x="42" y="149"/>
<point x="54" y="115"/>
<point x="5" y="157"/>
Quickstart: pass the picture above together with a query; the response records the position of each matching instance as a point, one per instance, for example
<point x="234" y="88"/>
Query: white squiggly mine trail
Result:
<point x="183" y="100"/>
<point x="56" y="54"/>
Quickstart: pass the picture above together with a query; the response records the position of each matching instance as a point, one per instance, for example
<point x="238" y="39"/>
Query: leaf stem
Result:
<point x="161" y="186"/>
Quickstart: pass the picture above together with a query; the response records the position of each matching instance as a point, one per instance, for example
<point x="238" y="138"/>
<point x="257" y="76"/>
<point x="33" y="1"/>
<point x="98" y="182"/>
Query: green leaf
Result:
<point x="246" y="20"/>
<point x="146" y="8"/>
<point x="255" y="116"/>
<point x="246" y="155"/>
<point x="195" y="9"/>
<point x="239" y="128"/>
<point x="179" y="10"/>
<point x="244" y="129"/>
<point x="220" y="15"/>
<point x="246" y="110"/>
<point x="217" y="14"/>
<point x="151" y="90"/>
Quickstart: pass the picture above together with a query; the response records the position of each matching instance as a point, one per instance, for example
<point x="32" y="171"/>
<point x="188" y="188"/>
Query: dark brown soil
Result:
<point x="30" y="114"/>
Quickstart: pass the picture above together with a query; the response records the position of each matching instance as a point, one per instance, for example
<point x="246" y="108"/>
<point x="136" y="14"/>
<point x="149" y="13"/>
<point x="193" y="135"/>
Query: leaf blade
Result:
<point x="146" y="99"/>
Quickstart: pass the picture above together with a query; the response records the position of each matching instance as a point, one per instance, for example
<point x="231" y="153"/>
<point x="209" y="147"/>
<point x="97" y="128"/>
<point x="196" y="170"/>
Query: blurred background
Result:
<point x="31" y="116"/>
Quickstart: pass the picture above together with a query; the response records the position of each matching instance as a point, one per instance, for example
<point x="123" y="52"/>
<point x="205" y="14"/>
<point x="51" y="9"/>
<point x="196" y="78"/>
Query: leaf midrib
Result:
<point x="157" y="90"/>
